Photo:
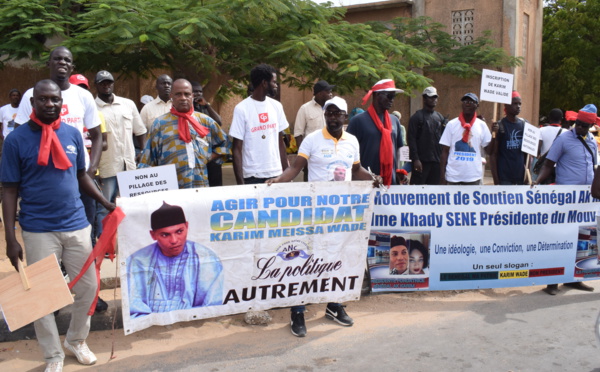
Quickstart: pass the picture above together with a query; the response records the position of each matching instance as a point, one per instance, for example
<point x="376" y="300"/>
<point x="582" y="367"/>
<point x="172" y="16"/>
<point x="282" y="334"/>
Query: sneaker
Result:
<point x="54" y="367"/>
<point x="82" y="352"/>
<point x="297" y="324"/>
<point x="551" y="289"/>
<point x="101" y="306"/>
<point x="337" y="313"/>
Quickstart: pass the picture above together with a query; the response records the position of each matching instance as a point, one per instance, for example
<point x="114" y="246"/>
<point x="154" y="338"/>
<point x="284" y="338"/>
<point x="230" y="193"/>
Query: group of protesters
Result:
<point x="60" y="141"/>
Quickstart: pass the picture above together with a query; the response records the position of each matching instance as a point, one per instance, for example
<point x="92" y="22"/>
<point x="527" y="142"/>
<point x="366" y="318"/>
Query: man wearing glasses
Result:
<point x="574" y="153"/>
<point x="378" y="132"/>
<point x="462" y="141"/>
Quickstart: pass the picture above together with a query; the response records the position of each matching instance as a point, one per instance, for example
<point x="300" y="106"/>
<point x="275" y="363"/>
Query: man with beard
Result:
<point x="44" y="164"/>
<point x="185" y="138"/>
<point x="323" y="152"/>
<point x="258" y="148"/>
<point x="378" y="132"/>
<point x="507" y="161"/>
<point x="425" y="128"/>
<point x="161" y="104"/>
<point x="462" y="141"/>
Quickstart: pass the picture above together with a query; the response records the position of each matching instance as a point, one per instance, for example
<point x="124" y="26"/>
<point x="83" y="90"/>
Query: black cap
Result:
<point x="472" y="96"/>
<point x="167" y="215"/>
<point x="103" y="75"/>
<point x="322" y="85"/>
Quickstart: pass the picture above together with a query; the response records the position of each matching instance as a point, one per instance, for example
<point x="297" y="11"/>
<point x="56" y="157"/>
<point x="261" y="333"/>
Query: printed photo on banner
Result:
<point x="193" y="254"/>
<point x="587" y="261"/>
<point x="399" y="260"/>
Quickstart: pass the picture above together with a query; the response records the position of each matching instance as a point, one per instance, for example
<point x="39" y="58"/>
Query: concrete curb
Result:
<point x="99" y="322"/>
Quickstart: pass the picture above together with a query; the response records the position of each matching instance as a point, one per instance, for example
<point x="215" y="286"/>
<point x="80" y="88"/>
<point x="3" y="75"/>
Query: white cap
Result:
<point x="337" y="101"/>
<point x="430" y="92"/>
<point x="146" y="99"/>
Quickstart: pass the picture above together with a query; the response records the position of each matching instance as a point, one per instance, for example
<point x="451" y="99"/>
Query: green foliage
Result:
<point x="221" y="41"/>
<point x="570" y="55"/>
<point x="451" y="57"/>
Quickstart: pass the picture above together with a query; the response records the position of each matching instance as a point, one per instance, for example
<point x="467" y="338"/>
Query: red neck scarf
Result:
<point x="467" y="126"/>
<point x="554" y="125"/>
<point x="50" y="144"/>
<point x="386" y="147"/>
<point x="182" y="125"/>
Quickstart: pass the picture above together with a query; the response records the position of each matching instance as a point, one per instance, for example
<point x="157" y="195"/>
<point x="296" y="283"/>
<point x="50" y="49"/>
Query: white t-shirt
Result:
<point x="330" y="159"/>
<point x="78" y="110"/>
<point x="7" y="118"/>
<point x="258" y="124"/>
<point x="464" y="160"/>
<point x="547" y="136"/>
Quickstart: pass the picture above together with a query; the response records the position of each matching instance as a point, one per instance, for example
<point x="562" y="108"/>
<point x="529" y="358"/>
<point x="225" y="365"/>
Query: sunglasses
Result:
<point x="390" y="95"/>
<point x="336" y="114"/>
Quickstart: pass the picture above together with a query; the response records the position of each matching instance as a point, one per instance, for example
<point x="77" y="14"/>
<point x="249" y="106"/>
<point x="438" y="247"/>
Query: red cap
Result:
<point x="79" y="79"/>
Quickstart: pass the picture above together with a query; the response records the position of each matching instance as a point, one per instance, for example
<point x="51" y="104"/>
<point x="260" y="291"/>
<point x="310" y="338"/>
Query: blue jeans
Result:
<point x="110" y="190"/>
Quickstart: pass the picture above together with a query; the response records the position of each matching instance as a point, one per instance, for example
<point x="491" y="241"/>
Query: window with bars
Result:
<point x="463" y="26"/>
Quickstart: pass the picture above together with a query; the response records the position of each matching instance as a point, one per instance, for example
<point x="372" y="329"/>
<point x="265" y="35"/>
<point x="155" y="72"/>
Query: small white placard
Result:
<point x="146" y="180"/>
<point x="496" y="86"/>
<point x="531" y="139"/>
<point x="404" y="152"/>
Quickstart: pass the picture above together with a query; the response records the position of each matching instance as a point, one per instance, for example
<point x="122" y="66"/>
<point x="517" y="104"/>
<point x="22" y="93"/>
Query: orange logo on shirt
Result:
<point x="64" y="110"/>
<point x="264" y="117"/>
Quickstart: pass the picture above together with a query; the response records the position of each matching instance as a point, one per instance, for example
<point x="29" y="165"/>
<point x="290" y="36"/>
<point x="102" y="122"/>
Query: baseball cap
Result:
<point x="337" y="101"/>
<point x="146" y="99"/>
<point x="103" y="75"/>
<point x="79" y="79"/>
<point x="430" y="92"/>
<point x="322" y="85"/>
<point x="472" y="96"/>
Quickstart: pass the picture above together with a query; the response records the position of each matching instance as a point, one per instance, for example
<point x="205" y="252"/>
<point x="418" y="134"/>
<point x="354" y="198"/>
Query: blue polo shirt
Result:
<point x="574" y="163"/>
<point x="49" y="196"/>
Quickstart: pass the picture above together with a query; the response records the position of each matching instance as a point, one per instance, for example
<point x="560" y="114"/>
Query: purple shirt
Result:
<point x="574" y="163"/>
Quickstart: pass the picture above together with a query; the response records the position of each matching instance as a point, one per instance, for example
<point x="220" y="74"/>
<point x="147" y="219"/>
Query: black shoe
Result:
<point x="337" y="313"/>
<point x="551" y="289"/>
<point x="101" y="306"/>
<point x="580" y="286"/>
<point x="297" y="324"/>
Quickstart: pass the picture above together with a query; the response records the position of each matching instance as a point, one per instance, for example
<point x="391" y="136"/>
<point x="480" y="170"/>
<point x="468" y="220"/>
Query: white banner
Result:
<point x="247" y="248"/>
<point x="469" y="237"/>
<point x="496" y="86"/>
<point x="147" y="180"/>
<point x="531" y="139"/>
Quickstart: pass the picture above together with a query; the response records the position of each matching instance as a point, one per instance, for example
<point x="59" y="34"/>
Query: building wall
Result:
<point x="504" y="17"/>
<point x="506" y="21"/>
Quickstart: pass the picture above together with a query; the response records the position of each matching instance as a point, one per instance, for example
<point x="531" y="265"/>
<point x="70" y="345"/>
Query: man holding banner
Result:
<point x="324" y="152"/>
<point x="52" y="215"/>
<point x="462" y="141"/>
<point x="378" y="133"/>
<point x="575" y="155"/>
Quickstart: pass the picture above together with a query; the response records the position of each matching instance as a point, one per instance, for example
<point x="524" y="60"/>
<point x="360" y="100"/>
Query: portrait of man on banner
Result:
<point x="172" y="273"/>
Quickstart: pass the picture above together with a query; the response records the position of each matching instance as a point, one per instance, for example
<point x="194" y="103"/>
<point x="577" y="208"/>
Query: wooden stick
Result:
<point x="24" y="279"/>
<point x="528" y="180"/>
